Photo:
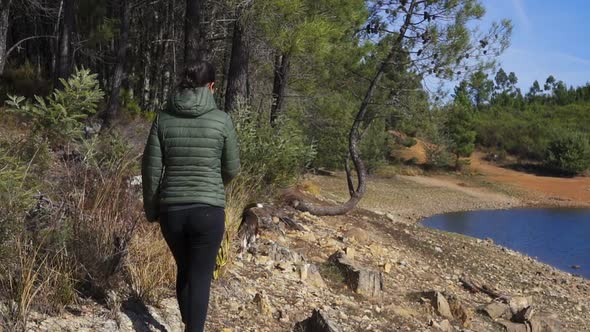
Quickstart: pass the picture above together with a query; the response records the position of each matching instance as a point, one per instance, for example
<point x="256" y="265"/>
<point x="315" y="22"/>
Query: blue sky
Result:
<point x="550" y="37"/>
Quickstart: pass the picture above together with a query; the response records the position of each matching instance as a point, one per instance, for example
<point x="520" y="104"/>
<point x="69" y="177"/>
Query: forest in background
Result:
<point x="308" y="84"/>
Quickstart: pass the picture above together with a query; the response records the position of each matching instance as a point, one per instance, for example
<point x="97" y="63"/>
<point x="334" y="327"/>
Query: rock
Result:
<point x="357" y="234"/>
<point x="512" y="327"/>
<point x="446" y="326"/>
<point x="524" y="315"/>
<point x="330" y="244"/>
<point x="135" y="181"/>
<point x="438" y="249"/>
<point x="262" y="260"/>
<point x="311" y="275"/>
<point x="439" y="303"/>
<point x="544" y="323"/>
<point x="362" y="281"/>
<point x="304" y="271"/>
<point x="285" y="266"/>
<point x="282" y="254"/>
<point x="92" y="129"/>
<point x="386" y="267"/>
<point x="460" y="311"/>
<point x="496" y="310"/>
<point x="262" y="304"/>
<point x="308" y="237"/>
<point x="350" y="252"/>
<point x="318" y="322"/>
<point x="377" y="250"/>
<point x="390" y="217"/>
<point x="518" y="303"/>
<point x="226" y="330"/>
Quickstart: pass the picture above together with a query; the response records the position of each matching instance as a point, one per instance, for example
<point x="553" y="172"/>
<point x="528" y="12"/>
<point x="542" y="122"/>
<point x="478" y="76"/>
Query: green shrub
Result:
<point x="130" y="106"/>
<point x="280" y="154"/>
<point x="60" y="116"/>
<point x="374" y="146"/>
<point x="569" y="153"/>
<point x="329" y="129"/>
<point x="16" y="195"/>
<point x="128" y="103"/>
<point x="437" y="151"/>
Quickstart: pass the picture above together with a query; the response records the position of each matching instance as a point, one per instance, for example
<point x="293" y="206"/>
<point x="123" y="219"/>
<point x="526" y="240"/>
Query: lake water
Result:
<point x="559" y="237"/>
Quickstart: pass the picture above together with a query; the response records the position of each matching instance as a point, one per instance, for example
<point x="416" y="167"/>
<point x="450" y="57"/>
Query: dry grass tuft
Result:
<point x="239" y="193"/>
<point x="150" y="269"/>
<point x="309" y="187"/>
<point x="30" y="281"/>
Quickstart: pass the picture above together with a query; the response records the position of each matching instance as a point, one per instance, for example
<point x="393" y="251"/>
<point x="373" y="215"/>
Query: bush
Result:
<point x="327" y="123"/>
<point x="279" y="154"/>
<point x="60" y="116"/>
<point x="569" y="153"/>
<point x="438" y="155"/>
<point x="374" y="146"/>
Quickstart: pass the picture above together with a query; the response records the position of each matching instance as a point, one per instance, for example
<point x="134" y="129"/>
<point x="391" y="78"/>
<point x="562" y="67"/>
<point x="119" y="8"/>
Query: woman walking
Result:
<point x="191" y="153"/>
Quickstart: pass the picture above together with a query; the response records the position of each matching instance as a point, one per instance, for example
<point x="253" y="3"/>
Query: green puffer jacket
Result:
<point x="191" y="152"/>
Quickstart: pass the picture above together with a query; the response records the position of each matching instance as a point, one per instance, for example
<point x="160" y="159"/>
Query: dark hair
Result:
<point x="197" y="74"/>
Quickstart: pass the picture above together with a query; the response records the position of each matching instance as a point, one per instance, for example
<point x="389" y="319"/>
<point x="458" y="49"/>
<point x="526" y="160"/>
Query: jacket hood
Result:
<point x="192" y="102"/>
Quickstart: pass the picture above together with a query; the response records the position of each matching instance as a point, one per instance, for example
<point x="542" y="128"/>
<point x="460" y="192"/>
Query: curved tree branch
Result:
<point x="15" y="46"/>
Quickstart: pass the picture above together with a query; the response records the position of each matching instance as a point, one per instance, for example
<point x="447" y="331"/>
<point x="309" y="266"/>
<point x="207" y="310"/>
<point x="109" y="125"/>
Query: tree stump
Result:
<point x="316" y="323"/>
<point x="363" y="281"/>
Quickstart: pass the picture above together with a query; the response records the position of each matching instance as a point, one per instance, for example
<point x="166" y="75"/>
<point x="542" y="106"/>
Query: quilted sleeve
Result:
<point x="151" y="173"/>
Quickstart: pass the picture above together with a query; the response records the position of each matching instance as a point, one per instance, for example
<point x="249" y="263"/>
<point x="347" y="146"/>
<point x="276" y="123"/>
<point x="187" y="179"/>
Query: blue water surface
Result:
<point x="559" y="237"/>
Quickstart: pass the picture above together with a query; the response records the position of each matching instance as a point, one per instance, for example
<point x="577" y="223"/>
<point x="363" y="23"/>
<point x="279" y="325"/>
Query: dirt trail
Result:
<point x="573" y="190"/>
<point x="415" y="197"/>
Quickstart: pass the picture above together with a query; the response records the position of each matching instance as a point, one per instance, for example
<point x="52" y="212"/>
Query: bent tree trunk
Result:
<point x="118" y="75"/>
<point x="282" y="70"/>
<point x="237" y="80"/>
<point x="4" y="21"/>
<point x="356" y="194"/>
<point x="195" y="45"/>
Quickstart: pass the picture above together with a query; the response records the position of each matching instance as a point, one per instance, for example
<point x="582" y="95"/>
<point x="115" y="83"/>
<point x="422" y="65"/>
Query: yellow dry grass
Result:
<point x="150" y="267"/>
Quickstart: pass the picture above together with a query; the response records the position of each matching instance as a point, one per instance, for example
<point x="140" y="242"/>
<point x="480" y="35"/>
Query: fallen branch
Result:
<point x="474" y="288"/>
<point x="292" y="224"/>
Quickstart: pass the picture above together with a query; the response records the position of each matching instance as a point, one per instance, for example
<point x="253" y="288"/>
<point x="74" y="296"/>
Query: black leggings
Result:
<point x="194" y="236"/>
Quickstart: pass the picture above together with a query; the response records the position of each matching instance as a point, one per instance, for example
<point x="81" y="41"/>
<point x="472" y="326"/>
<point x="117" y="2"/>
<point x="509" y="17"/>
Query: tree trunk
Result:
<point x="237" y="80"/>
<point x="195" y="45"/>
<point x="4" y="21"/>
<point x="282" y="69"/>
<point x="119" y="73"/>
<point x="64" y="60"/>
<point x="354" y="137"/>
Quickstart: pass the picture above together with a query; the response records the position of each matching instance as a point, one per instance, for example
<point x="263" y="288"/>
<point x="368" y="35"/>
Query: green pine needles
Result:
<point x="61" y="115"/>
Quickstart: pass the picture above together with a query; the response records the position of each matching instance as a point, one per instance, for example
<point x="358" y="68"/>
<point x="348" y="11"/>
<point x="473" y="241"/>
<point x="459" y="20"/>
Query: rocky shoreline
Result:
<point x="371" y="271"/>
